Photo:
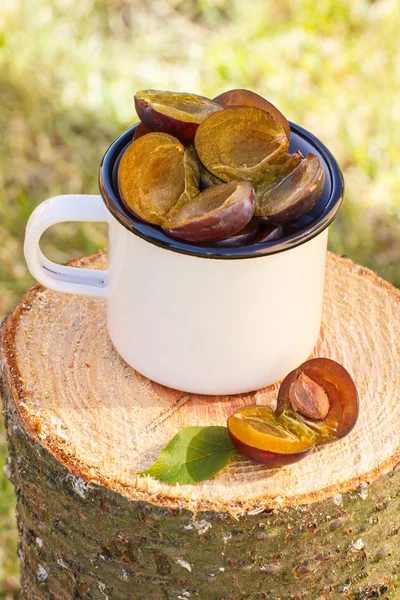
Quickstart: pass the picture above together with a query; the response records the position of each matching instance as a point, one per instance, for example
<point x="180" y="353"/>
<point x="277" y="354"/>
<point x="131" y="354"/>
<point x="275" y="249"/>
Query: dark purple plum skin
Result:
<point x="184" y="131"/>
<point x="269" y="233"/>
<point x="265" y="457"/>
<point x="306" y="200"/>
<point x="242" y="238"/>
<point x="141" y="130"/>
<point x="302" y="207"/>
<point x="221" y="224"/>
<point x="240" y="97"/>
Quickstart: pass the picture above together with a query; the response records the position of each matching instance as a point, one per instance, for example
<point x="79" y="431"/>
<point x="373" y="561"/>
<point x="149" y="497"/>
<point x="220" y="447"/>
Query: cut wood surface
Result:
<point x="81" y="423"/>
<point x="105" y="422"/>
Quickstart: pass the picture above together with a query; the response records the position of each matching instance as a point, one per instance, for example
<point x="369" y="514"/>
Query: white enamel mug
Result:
<point x="200" y="319"/>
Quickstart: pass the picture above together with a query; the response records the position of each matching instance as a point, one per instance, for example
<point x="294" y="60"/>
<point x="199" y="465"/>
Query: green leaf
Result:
<point x="194" y="454"/>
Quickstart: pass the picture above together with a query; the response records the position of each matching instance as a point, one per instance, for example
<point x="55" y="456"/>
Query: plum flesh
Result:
<point x="259" y="434"/>
<point x="241" y="97"/>
<point x="157" y="175"/>
<point x="240" y="143"/>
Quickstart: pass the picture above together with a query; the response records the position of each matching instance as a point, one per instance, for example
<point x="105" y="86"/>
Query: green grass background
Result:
<point x="69" y="69"/>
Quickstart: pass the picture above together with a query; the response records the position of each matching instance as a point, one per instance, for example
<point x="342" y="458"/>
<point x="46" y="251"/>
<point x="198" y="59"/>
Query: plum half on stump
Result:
<point x="259" y="434"/>
<point x="323" y="395"/>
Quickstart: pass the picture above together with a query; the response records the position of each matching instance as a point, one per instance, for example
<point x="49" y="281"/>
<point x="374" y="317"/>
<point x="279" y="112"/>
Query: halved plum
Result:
<point x="291" y="190"/>
<point x="247" y="98"/>
<point x="322" y="394"/>
<point x="242" y="238"/>
<point x="218" y="212"/>
<point x="141" y="130"/>
<point x="176" y="113"/>
<point x="156" y="176"/>
<point x="240" y="143"/>
<point x="269" y="439"/>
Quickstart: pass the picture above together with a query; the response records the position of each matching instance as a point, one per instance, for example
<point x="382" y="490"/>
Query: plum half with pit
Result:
<point x="322" y="394"/>
<point x="218" y="212"/>
<point x="263" y="436"/>
<point x="241" y="97"/>
<point x="176" y="113"/>
<point x="240" y="143"/>
<point x="317" y="404"/>
<point x="157" y="175"/>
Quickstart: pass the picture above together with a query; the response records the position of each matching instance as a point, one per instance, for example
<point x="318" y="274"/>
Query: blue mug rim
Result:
<point x="158" y="237"/>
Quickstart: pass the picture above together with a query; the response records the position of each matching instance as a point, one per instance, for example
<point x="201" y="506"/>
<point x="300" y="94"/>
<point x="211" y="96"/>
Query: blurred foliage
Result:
<point x="69" y="69"/>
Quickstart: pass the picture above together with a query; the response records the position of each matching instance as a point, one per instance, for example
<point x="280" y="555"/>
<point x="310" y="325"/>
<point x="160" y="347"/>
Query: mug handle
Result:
<point x="72" y="280"/>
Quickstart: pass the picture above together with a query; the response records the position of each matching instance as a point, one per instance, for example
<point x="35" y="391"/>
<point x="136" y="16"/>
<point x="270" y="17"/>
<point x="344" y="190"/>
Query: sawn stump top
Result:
<point x="106" y="422"/>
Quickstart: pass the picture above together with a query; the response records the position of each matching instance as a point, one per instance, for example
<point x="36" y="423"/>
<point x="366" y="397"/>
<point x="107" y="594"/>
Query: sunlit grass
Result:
<point x="69" y="68"/>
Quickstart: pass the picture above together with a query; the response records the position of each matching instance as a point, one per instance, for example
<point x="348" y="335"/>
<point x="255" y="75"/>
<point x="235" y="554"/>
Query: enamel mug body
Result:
<point x="199" y="319"/>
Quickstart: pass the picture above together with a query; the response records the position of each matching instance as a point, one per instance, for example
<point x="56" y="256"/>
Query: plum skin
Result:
<point x="265" y="457"/>
<point x="302" y="207"/>
<point x="156" y="121"/>
<point x="235" y="241"/>
<point x="218" y="225"/>
<point x="241" y="142"/>
<point x="309" y="191"/>
<point x="141" y="130"/>
<point x="269" y="234"/>
<point x="183" y="130"/>
<point x="242" y="97"/>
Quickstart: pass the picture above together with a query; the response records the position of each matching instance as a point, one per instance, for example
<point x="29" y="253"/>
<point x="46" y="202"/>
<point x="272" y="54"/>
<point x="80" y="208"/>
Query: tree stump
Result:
<point x="81" y="424"/>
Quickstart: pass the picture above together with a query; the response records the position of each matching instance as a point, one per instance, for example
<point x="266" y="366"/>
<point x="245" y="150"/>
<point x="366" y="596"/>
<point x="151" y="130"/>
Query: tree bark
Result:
<point x="81" y="424"/>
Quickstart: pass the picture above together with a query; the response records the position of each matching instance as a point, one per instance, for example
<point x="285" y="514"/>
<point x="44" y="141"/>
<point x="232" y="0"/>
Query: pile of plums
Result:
<point x="216" y="171"/>
<point x="317" y="404"/>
